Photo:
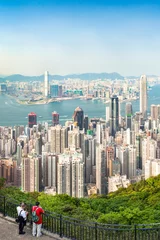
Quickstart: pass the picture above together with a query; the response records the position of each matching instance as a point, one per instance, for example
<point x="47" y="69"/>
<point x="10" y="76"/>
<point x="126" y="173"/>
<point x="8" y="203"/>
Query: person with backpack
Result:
<point x="22" y="216"/>
<point x="37" y="212"/>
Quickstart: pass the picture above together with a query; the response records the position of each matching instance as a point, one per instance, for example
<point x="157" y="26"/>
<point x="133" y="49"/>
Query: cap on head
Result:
<point x="37" y="203"/>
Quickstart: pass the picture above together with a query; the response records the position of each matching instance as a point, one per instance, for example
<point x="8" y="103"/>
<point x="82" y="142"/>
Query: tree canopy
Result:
<point x="137" y="204"/>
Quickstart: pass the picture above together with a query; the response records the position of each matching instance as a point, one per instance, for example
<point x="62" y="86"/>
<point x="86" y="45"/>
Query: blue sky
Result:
<point x="79" y="36"/>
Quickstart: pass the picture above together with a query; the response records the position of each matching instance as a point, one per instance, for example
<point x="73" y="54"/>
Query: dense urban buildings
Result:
<point x="87" y="155"/>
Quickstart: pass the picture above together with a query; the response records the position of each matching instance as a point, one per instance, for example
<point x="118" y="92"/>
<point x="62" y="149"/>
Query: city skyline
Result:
<point x="78" y="37"/>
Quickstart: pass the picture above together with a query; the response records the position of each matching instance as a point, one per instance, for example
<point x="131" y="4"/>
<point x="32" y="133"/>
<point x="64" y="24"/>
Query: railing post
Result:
<point x="96" y="231"/>
<point x="60" y="234"/>
<point x="4" y="208"/>
<point x="135" y="232"/>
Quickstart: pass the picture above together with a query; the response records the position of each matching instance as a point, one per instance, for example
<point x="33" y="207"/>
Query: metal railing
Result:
<point x="82" y="230"/>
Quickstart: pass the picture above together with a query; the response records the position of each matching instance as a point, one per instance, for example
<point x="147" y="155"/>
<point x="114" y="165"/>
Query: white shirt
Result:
<point x="21" y="212"/>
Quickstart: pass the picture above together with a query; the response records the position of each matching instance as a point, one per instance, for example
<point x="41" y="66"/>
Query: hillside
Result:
<point x="139" y="203"/>
<point x="83" y="76"/>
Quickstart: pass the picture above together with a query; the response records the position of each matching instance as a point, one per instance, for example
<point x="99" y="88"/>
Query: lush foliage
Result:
<point x="139" y="203"/>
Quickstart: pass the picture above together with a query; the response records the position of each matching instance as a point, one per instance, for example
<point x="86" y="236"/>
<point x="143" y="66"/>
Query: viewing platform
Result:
<point x="9" y="231"/>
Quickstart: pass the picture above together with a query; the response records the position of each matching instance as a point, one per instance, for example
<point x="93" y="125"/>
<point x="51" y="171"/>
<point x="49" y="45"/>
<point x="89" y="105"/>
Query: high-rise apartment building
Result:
<point x="89" y="155"/>
<point x="132" y="161"/>
<point x="114" y="115"/>
<point x="46" y="84"/>
<point x="154" y="112"/>
<point x="30" y="173"/>
<point x="101" y="182"/>
<point x="143" y="96"/>
<point x="78" y="117"/>
<point x="59" y="138"/>
<point x="70" y="172"/>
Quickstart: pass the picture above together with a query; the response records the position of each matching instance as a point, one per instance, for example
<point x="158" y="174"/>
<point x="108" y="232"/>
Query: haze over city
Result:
<point x="79" y="36"/>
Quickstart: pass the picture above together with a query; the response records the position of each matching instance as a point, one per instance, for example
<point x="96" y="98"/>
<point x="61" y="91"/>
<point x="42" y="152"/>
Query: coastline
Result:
<point x="45" y="101"/>
<point x="40" y="102"/>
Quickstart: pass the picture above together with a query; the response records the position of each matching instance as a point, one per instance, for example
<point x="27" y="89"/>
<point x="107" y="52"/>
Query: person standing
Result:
<point x="36" y="230"/>
<point x="22" y="216"/>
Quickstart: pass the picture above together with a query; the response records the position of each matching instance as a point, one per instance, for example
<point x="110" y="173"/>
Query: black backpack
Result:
<point x="19" y="218"/>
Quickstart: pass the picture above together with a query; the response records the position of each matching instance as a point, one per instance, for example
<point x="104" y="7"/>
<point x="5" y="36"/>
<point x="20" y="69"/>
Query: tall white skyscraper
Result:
<point x="143" y="96"/>
<point x="46" y="84"/>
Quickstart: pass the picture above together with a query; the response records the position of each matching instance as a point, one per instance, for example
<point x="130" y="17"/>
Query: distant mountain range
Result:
<point x="83" y="76"/>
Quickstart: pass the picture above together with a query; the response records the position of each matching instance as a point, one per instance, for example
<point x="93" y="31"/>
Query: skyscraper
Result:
<point x="78" y="117"/>
<point x="32" y="119"/>
<point x="46" y="84"/>
<point x="129" y="115"/>
<point x="101" y="161"/>
<point x="86" y="123"/>
<point x="30" y="174"/>
<point x="114" y="115"/>
<point x="143" y="96"/>
<point x="154" y="112"/>
<point x="55" y="118"/>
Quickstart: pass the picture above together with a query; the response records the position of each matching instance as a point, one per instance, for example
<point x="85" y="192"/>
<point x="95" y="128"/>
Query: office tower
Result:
<point x="60" y="91"/>
<point x="122" y="154"/>
<point x="54" y="90"/>
<point x="114" y="115"/>
<point x="30" y="174"/>
<point x="46" y="84"/>
<point x="101" y="182"/>
<point x="32" y="119"/>
<point x="55" y="118"/>
<point x="143" y="96"/>
<point x="131" y="161"/>
<point x="129" y="115"/>
<point x="78" y="117"/>
<point x="85" y="123"/>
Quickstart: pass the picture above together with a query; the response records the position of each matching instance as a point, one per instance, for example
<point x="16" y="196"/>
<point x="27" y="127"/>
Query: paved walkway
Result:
<point x="9" y="231"/>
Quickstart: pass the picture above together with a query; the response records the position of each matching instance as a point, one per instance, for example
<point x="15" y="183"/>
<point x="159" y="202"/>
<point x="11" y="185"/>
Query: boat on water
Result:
<point x="40" y="116"/>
